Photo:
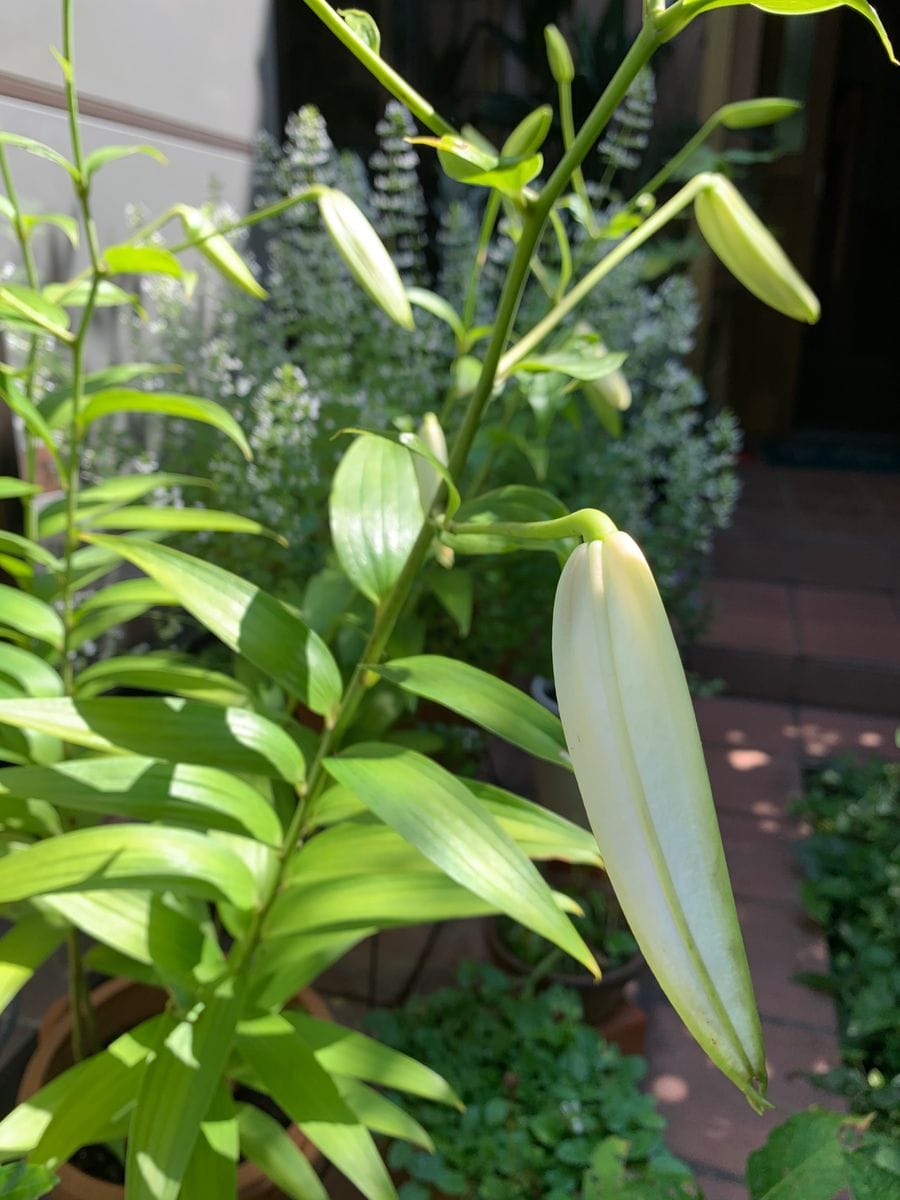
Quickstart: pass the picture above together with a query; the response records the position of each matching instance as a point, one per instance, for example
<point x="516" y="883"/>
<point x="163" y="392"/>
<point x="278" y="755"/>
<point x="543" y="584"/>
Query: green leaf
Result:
<point x="440" y="308"/>
<point x="365" y="255"/>
<point x="455" y="592"/>
<point x="161" y="671"/>
<point x="265" y="1143"/>
<point x="176" y="1091"/>
<point x="492" y="703"/>
<point x="145" y="592"/>
<point x="21" y="1181"/>
<point x="376" y="514"/>
<point x="541" y="834"/>
<point x="248" y="620"/>
<point x="58" y="406"/>
<point x="177" y="520"/>
<point x="62" y="221"/>
<point x="466" y="163"/>
<point x="172" y="404"/>
<point x="364" y="26"/>
<point x="34" y="618"/>
<point x="24" y="548"/>
<point x="869" y="1179"/>
<point x="19" y="304"/>
<point x="530" y="134"/>
<point x="380" y="1115"/>
<point x="107" y="154"/>
<point x="77" y="292"/>
<point x="39" y="149"/>
<point x="217" y="249"/>
<point x="120" y="919"/>
<point x="574" y="364"/>
<point x="211" y="1173"/>
<point x="416" y="445"/>
<point x="512" y="503"/>
<point x="11" y="488"/>
<point x="22" y="950"/>
<point x="283" y="966"/>
<point x="141" y="260"/>
<point x="172" y="729"/>
<point x="29" y="414"/>
<point x="127" y="856"/>
<point x="75" y="1106"/>
<point x="142" y="789"/>
<point x="752" y="114"/>
<point x="34" y="676"/>
<point x="441" y="818"/>
<point x="345" y="1052"/>
<point x="292" y="1076"/>
<point x="802" y="1157"/>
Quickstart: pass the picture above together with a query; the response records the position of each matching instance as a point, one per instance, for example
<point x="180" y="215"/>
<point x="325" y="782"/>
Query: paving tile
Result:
<point x="753" y="782"/>
<point x="744" y="724"/>
<point x="781" y="942"/>
<point x="751" y="616"/>
<point x="760" y="857"/>
<point x="710" y="1123"/>
<point x="858" y="687"/>
<point x="761" y="487"/>
<point x="718" y="1187"/>
<point x="823" y="732"/>
<point x="847" y="625"/>
<point x="833" y="561"/>
<point x="745" y="554"/>
<point x="749" y="673"/>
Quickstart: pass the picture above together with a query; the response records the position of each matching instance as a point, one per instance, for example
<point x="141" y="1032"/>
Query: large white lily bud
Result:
<point x="633" y="740"/>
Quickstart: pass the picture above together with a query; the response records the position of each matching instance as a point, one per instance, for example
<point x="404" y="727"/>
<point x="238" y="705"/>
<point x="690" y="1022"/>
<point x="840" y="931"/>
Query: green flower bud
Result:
<point x="633" y="740"/>
<point x="558" y="55"/>
<point x="740" y="240"/>
<point x="529" y="135"/>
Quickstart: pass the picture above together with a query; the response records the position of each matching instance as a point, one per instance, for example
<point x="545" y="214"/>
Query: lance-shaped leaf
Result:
<point x="541" y="834"/>
<point x="162" y="671"/>
<point x="143" y="789"/>
<point x="171" y="729"/>
<point x="217" y="249"/>
<point x="177" y="520"/>
<point x="27" y="550"/>
<point x="11" y="487"/>
<point x="211" y="1173"/>
<point x="75" y="1106"/>
<point x="39" y="149"/>
<point x="141" y="260"/>
<point x="127" y="856"/>
<point x="381" y="1115"/>
<point x="29" y="414"/>
<point x="291" y="1075"/>
<point x="376" y="514"/>
<point x="34" y="676"/>
<point x="282" y="966"/>
<point x="172" y="404"/>
<point x="248" y="620"/>
<point x="364" y="26"/>
<point x="585" y="365"/>
<point x="24" y="306"/>
<point x="22" y="1181"/>
<point x="22" y="950"/>
<point x="492" y="703"/>
<point x="265" y="1143"/>
<point x="176" y="1091"/>
<point x="345" y="1052"/>
<point x="364" y="253"/>
<point x="464" y="162"/>
<point x="107" y="154"/>
<point x="441" y="818"/>
<point x="34" y="618"/>
<point x="738" y="237"/>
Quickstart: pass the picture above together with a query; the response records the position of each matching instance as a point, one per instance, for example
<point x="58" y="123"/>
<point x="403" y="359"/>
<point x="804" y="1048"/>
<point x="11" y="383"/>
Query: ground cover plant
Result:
<point x="249" y="849"/>
<point x="851" y="862"/>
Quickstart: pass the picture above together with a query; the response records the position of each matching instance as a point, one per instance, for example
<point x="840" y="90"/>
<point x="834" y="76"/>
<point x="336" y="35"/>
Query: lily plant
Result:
<point x="249" y="851"/>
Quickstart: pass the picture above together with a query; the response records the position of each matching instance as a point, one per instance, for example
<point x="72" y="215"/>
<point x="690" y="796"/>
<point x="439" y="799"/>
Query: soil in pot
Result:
<point x="95" y="1173"/>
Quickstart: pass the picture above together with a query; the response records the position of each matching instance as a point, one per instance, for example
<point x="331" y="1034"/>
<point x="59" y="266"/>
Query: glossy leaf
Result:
<point x="380" y="1115"/>
<point x="141" y="260"/>
<point x="541" y="834"/>
<point x="77" y="1105"/>
<point x="119" y="919"/>
<point x="432" y="303"/>
<point x="248" y="620"/>
<point x="265" y="1143"/>
<point x="211" y="1173"/>
<point x="365" y="255"/>
<point x="530" y="134"/>
<point x="22" y="950"/>
<point x="127" y="856"/>
<point x="22" y="1181"/>
<point x="172" y="404"/>
<point x="455" y="592"/>
<point x="77" y="292"/>
<point x="39" y="149"/>
<point x="218" y="250"/>
<point x="170" y="674"/>
<point x="59" y="408"/>
<point x="176" y="1091"/>
<point x="466" y="163"/>
<point x="376" y="514"/>
<point x="576" y="365"/>
<point x="142" y="789"/>
<point x="29" y="413"/>
<point x="283" y="966"/>
<point x="34" y="676"/>
<point x="34" y="618"/>
<point x="345" y="1052"/>
<point x="107" y="154"/>
<point x="146" y="592"/>
<point x="19" y="304"/>
<point x="11" y="487"/>
<point x="441" y="818"/>
<point x="178" y="520"/>
<point x="174" y="730"/>
<point x="292" y="1076"/>
<point x="24" y="548"/>
<point x="61" y="221"/>
<point x="364" y="26"/>
<point x="492" y="703"/>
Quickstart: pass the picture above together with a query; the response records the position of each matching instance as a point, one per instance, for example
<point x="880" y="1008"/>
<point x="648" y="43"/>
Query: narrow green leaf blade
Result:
<point x="381" y="1115"/>
<point x="265" y="1143"/>
<point x="218" y="250"/>
<point x="492" y="703"/>
<point x="172" y="729"/>
<point x="11" y="487"/>
<point x="541" y="834"/>
<point x="172" y="404"/>
<point x="248" y="620"/>
<point x="107" y="154"/>
<point x="21" y="1181"/>
<point x="442" y="819"/>
<point x="34" y="618"/>
<point x="211" y="1173"/>
<point x="177" y="520"/>
<point x="22" y="950"/>
<point x="126" y="856"/>
<point x="141" y="260"/>
<point x="170" y="674"/>
<point x="34" y="676"/>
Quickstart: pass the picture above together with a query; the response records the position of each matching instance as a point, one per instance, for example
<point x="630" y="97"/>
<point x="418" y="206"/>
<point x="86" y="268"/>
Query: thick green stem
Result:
<point x="588" y="523"/>
<point x="390" y="610"/>
<point x="690" y="146"/>
<point x="584" y="287"/>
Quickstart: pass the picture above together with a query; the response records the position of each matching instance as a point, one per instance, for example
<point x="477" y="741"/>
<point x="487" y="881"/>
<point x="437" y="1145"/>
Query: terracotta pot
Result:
<point x="121" y="1004"/>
